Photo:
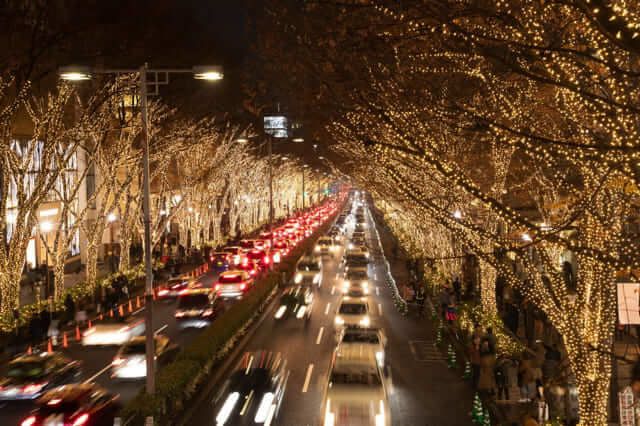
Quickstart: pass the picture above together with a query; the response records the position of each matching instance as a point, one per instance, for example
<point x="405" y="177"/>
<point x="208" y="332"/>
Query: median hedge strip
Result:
<point x="178" y="382"/>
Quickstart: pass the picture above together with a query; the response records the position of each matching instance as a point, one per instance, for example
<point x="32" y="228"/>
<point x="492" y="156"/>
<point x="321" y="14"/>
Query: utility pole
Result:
<point x="146" y="187"/>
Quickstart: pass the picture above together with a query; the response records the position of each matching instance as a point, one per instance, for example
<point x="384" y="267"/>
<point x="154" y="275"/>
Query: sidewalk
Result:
<point x="425" y="391"/>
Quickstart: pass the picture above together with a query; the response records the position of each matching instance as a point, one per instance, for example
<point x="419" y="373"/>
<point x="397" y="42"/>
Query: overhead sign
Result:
<point x="276" y="126"/>
<point x="629" y="303"/>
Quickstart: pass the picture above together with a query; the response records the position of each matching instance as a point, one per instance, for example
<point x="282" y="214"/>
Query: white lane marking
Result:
<point x="377" y="291"/>
<point x="380" y="309"/>
<point x="333" y="290"/>
<point x="307" y="379"/>
<point x="319" y="335"/>
<point x="98" y="374"/>
<point x="138" y="311"/>
<point x="375" y="276"/>
<point x="161" y="329"/>
<point x="337" y="275"/>
<point x="326" y="311"/>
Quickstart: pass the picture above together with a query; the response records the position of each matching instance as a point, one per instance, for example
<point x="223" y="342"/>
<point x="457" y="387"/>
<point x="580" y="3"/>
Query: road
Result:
<point x="423" y="391"/>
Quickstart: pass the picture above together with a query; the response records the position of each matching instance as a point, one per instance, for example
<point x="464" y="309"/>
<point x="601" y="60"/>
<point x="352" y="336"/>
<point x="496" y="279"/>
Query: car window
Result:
<point x="361" y="338"/>
<point x="356" y="378"/>
<point x="308" y="266"/>
<point x="26" y="369"/>
<point x="356" y="274"/>
<point x="190" y="301"/>
<point x="353" y="308"/>
<point x="231" y="279"/>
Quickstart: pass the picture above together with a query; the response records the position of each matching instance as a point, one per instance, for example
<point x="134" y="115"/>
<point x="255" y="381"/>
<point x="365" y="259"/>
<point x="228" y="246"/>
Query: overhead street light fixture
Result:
<point x="208" y="72"/>
<point x="74" y="73"/>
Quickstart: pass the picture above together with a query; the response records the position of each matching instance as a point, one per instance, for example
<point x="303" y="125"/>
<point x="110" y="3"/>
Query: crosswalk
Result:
<point x="426" y="351"/>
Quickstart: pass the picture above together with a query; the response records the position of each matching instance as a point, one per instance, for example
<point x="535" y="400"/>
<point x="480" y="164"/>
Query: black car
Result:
<point x="220" y="260"/>
<point x="85" y="404"/>
<point x="197" y="308"/>
<point x="295" y="302"/>
<point x="29" y="376"/>
<point x="254" y="391"/>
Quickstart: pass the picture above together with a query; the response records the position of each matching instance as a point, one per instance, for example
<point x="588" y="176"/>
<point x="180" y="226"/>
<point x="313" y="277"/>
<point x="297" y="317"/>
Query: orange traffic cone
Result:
<point x="29" y="350"/>
<point x="110" y="313"/>
<point x="137" y="301"/>
<point x="49" y="346"/>
<point x="77" y="333"/>
<point x="89" y="324"/>
<point x="130" y="306"/>
<point x="121" y="310"/>
<point x="100" y="317"/>
<point x="65" y="343"/>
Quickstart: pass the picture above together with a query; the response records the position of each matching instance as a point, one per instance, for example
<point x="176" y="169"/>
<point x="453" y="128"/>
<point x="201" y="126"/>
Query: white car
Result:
<point x="353" y="312"/>
<point x="360" y="340"/>
<point x="324" y="245"/>
<point x="355" y="250"/>
<point x="308" y="271"/>
<point x="130" y="362"/>
<point x="356" y="282"/>
<point x="355" y="393"/>
<point x="112" y="333"/>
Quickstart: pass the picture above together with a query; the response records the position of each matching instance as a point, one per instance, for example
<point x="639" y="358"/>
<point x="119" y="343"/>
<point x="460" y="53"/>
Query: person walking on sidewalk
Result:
<point x="502" y="377"/>
<point x="474" y="359"/>
<point x="526" y="380"/>
<point x="487" y="380"/>
<point x="420" y="299"/>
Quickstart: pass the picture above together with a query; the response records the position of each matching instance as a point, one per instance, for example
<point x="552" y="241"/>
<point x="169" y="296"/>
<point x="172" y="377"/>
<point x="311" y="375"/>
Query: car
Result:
<point x="113" y="332"/>
<point x="324" y="245"/>
<point x="247" y="245"/>
<point x="354" y="250"/>
<point x="233" y="284"/>
<point x="356" y="282"/>
<point x="308" y="271"/>
<point x="236" y="254"/>
<point x="358" y="235"/>
<point x="131" y="363"/>
<point x="173" y="286"/>
<point x="361" y="340"/>
<point x="295" y="302"/>
<point x="249" y="267"/>
<point x="197" y="308"/>
<point x="258" y="257"/>
<point x="355" y="392"/>
<point x="360" y="227"/>
<point x="357" y="259"/>
<point x="352" y="312"/>
<point x="254" y="392"/>
<point x="280" y="250"/>
<point x="220" y="260"/>
<point x="29" y="376"/>
<point x="83" y="404"/>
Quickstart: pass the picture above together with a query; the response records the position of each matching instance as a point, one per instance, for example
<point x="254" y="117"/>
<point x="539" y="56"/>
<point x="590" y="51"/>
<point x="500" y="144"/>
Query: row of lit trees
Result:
<point x="199" y="172"/>
<point x="512" y="125"/>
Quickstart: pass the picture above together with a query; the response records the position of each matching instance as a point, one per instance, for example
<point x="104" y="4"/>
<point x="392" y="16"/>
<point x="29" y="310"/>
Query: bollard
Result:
<point x="65" y="343"/>
<point x="29" y="350"/>
<point x="77" y="333"/>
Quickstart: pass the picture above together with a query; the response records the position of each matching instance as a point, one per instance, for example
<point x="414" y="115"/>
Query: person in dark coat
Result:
<point x="457" y="289"/>
<point x="502" y="377"/>
<point x="69" y="307"/>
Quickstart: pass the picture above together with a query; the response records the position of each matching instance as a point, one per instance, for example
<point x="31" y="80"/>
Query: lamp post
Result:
<point x="211" y="73"/>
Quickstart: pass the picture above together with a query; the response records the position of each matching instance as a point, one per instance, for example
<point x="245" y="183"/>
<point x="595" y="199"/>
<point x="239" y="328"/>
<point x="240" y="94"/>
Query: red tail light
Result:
<point x="81" y="420"/>
<point x="253" y="272"/>
<point x="266" y="259"/>
<point x="243" y="286"/>
<point x="216" y="287"/>
<point x="179" y="314"/>
<point x="245" y="261"/>
<point x="29" y="421"/>
<point x="33" y="387"/>
<point x="163" y="292"/>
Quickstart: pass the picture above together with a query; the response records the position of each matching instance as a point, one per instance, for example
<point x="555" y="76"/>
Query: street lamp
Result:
<point x="211" y="73"/>
<point x="457" y="214"/>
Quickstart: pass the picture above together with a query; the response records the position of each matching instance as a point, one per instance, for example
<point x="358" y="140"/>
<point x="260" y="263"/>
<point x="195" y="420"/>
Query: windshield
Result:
<point x="355" y="378"/>
<point x="255" y="255"/>
<point x="324" y="241"/>
<point x="280" y="245"/>
<point x="23" y="370"/>
<point x="246" y="244"/>
<point x="134" y="348"/>
<point x="308" y="266"/>
<point x="356" y="259"/>
<point x="357" y="275"/>
<point x="190" y="301"/>
<point x="230" y="279"/>
<point x="353" y="308"/>
<point x="64" y="407"/>
<point x="232" y="250"/>
<point x="360" y="338"/>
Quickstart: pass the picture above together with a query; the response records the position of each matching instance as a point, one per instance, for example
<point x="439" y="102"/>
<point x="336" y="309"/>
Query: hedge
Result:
<point x="178" y="382"/>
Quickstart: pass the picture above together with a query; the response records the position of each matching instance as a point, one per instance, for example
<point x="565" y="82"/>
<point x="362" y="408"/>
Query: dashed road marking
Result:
<point x="98" y="374"/>
<point x="333" y="290"/>
<point x="319" y="338"/>
<point x="326" y="311"/>
<point x="377" y="291"/>
<point x="307" y="379"/>
<point x="380" y="309"/>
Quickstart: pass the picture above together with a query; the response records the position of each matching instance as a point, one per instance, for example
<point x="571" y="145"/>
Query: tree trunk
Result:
<point x="125" y="250"/>
<point x="58" y="275"/>
<point x="92" y="264"/>
<point x="10" y="289"/>
<point x="488" y="289"/>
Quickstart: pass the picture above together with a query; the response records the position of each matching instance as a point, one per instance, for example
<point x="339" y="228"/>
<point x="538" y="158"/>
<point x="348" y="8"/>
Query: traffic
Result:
<point x="86" y="382"/>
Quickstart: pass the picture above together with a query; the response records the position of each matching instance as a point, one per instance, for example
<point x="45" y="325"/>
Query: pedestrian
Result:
<point x="445" y="300"/>
<point x="457" y="289"/>
<point x="452" y="313"/>
<point x="491" y="338"/>
<point x="487" y="380"/>
<point x="474" y="359"/>
<point x="526" y="380"/>
<point x="502" y="377"/>
<point x="69" y="307"/>
<point x="477" y="332"/>
<point x="420" y="299"/>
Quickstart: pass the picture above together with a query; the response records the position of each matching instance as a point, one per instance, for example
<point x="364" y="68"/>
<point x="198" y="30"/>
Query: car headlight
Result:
<point x="280" y="312"/>
<point x="380" y="358"/>
<point x="339" y="320"/>
<point x="365" y="284"/>
<point x="227" y="408"/>
<point x="380" y="416"/>
<point x="264" y="408"/>
<point x="298" y="278"/>
<point x="318" y="247"/>
<point x="365" y="321"/>
<point x="329" y="417"/>
<point x="346" y="283"/>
